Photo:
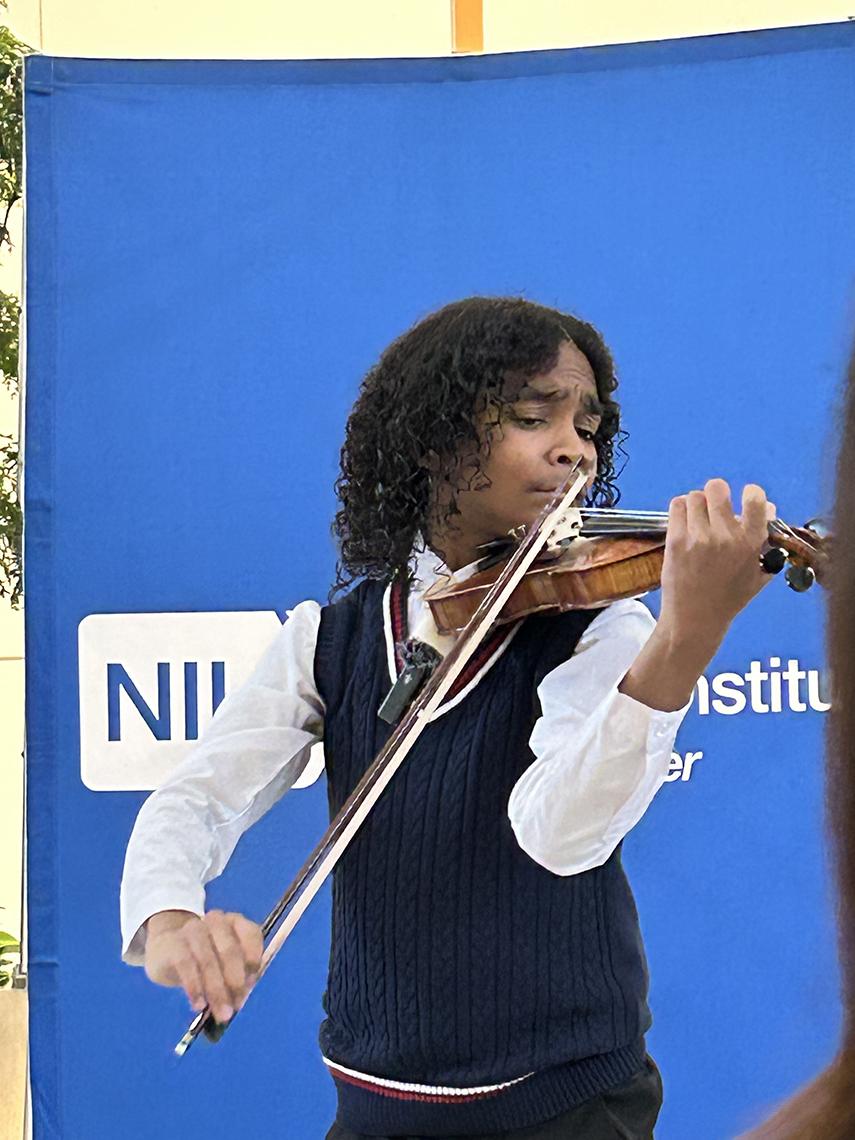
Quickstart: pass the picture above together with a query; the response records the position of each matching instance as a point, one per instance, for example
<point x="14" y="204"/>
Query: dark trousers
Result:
<point x="627" y="1112"/>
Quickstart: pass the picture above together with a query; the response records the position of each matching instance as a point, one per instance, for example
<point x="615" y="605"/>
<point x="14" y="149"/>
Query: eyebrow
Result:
<point x="588" y="403"/>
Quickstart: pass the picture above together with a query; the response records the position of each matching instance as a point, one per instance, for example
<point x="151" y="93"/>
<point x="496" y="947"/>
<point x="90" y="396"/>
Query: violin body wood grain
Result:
<point x="590" y="573"/>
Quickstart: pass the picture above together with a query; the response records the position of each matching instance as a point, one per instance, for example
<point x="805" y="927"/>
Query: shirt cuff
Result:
<point x="662" y="723"/>
<point x="134" y="920"/>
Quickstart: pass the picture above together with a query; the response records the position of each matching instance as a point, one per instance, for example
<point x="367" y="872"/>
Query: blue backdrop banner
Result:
<point x="216" y="253"/>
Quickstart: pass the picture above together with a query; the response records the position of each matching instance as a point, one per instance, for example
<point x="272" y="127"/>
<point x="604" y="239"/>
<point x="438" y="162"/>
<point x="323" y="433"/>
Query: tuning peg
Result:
<point x="819" y="526"/>
<point x="800" y="578"/>
<point x="773" y="560"/>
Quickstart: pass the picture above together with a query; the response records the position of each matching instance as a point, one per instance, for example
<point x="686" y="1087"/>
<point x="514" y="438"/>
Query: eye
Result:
<point x="586" y="434"/>
<point x="528" y="421"/>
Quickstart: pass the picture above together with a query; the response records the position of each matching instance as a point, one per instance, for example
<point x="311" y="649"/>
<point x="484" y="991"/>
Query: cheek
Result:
<point x="516" y="463"/>
<point x="507" y="456"/>
<point x="595" y="465"/>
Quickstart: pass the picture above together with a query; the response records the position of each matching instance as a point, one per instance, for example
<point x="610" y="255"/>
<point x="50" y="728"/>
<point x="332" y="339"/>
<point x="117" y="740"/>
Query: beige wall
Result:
<point x="253" y="29"/>
<point x="521" y="25"/>
<point x="330" y="28"/>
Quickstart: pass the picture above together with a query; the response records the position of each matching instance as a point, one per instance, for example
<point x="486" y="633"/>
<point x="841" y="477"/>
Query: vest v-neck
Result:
<point x="395" y="629"/>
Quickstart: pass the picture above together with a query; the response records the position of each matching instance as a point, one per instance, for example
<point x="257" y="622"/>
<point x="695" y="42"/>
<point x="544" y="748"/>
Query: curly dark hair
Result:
<point x="422" y="398"/>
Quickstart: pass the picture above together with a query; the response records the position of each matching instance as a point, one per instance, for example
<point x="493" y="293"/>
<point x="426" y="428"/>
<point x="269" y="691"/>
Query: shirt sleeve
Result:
<point x="600" y="755"/>
<point x="254" y="749"/>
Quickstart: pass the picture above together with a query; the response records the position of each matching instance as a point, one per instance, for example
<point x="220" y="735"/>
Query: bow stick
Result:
<point x="284" y="917"/>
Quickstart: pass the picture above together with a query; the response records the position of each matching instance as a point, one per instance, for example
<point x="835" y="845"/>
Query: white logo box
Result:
<point x="129" y="664"/>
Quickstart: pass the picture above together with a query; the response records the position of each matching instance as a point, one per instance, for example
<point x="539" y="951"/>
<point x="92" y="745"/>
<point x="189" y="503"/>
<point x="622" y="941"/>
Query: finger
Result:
<point x="720" y="508"/>
<point x="230" y="953"/>
<point x="251" y="940"/>
<point x="697" y="515"/>
<point x="677" y="524"/>
<point x="190" y="978"/>
<point x="754" y="514"/>
<point x="216" y="992"/>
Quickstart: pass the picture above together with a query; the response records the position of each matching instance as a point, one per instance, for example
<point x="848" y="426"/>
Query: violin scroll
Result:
<point x="804" y="550"/>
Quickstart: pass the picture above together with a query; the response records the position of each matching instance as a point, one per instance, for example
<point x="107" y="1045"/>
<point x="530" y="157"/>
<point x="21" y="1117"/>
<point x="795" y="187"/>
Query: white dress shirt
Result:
<point x="600" y="757"/>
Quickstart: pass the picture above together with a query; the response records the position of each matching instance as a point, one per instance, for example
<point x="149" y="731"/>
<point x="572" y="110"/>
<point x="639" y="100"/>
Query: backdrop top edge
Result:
<point x="51" y="71"/>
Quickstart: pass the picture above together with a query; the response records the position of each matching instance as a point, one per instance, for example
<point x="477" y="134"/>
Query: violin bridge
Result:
<point x="568" y="528"/>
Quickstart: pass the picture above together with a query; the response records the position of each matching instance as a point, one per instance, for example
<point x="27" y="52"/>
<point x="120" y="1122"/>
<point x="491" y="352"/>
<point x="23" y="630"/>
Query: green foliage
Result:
<point x="12" y="52"/>
<point x="10" y="316"/>
<point x="10" y="949"/>
<point x="10" y="521"/>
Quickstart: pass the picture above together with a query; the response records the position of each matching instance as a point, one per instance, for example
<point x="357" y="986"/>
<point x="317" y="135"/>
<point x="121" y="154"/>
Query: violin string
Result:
<point x="780" y="527"/>
<point x="604" y="519"/>
<point x="626" y="519"/>
<point x="608" y="520"/>
<point x="784" y="529"/>
<point x="615" y="512"/>
<point x="806" y="543"/>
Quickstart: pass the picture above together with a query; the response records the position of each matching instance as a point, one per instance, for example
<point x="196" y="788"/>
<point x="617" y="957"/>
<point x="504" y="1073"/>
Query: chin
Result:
<point x="527" y="514"/>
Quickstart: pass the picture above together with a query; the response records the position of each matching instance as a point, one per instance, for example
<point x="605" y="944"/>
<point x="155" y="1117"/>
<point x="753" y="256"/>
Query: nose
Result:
<point x="565" y="457"/>
<point x="567" y="449"/>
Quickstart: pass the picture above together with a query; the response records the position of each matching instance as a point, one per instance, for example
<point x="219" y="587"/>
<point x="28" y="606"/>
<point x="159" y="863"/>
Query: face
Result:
<point x="550" y="425"/>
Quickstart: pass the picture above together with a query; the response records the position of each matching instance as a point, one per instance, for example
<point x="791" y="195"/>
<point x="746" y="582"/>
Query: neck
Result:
<point x="455" y="552"/>
<point x="455" y="548"/>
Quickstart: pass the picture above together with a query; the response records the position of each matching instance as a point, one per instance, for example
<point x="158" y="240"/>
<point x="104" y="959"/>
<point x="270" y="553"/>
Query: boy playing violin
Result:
<point x="487" y="975"/>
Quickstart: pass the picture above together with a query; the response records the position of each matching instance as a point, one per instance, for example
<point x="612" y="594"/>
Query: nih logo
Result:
<point x="151" y="683"/>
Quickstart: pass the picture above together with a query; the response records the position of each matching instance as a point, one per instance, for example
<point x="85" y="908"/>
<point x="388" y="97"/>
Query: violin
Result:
<point x="597" y="556"/>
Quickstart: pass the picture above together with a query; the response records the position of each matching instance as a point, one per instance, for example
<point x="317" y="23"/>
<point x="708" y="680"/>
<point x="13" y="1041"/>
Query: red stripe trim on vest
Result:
<point x="406" y="1094"/>
<point x="398" y="612"/>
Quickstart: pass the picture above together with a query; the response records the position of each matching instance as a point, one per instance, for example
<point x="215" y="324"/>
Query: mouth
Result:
<point x="553" y="488"/>
<point x="546" y="493"/>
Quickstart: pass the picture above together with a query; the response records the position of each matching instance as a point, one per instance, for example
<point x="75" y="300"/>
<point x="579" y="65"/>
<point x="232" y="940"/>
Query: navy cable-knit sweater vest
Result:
<point x="457" y="961"/>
